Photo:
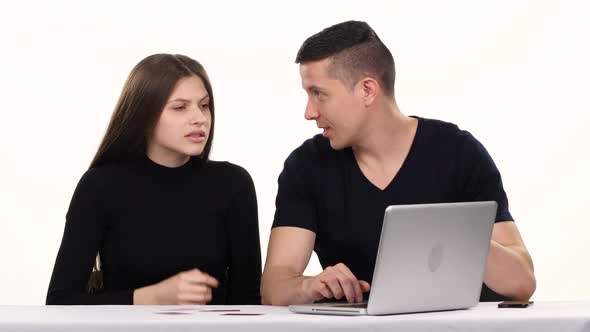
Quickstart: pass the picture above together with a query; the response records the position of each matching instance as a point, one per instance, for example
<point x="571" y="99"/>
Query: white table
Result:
<point x="542" y="316"/>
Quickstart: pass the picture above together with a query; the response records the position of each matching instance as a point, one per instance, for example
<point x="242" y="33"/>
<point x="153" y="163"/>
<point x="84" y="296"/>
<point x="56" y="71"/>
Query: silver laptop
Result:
<point x="431" y="257"/>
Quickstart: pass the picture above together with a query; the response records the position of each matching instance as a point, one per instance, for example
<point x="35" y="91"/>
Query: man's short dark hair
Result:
<point x="356" y="51"/>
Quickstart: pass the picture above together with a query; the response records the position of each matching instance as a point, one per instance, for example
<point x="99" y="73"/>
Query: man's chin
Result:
<point x="337" y="145"/>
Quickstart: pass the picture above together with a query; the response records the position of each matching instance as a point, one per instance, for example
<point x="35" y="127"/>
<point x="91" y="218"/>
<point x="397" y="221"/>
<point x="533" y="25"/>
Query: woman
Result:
<point x="170" y="226"/>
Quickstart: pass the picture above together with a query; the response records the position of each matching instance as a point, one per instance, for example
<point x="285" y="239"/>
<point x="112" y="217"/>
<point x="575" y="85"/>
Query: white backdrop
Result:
<point x="514" y="73"/>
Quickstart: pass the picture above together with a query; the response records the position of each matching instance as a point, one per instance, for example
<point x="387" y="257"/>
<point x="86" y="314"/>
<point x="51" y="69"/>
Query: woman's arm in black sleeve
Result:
<point x="85" y="224"/>
<point x="244" y="244"/>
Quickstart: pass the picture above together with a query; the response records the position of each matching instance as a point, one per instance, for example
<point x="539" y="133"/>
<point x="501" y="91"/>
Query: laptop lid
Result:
<point x="431" y="257"/>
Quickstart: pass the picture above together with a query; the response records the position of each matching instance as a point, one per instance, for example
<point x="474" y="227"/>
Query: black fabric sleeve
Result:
<point x="480" y="179"/>
<point x="295" y="204"/>
<point x="85" y="223"/>
<point x="244" y="245"/>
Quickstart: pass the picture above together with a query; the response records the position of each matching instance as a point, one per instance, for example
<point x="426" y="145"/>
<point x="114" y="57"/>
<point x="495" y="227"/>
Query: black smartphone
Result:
<point x="515" y="304"/>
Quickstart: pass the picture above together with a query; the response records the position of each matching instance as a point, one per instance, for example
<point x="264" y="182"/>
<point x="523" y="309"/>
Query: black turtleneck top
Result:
<point x="150" y="222"/>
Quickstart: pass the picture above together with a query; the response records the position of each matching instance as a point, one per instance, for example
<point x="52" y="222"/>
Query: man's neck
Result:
<point x="387" y="137"/>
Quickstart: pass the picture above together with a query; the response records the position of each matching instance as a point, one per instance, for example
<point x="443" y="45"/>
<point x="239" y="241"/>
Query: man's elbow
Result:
<point x="525" y="288"/>
<point x="267" y="295"/>
<point x="272" y="293"/>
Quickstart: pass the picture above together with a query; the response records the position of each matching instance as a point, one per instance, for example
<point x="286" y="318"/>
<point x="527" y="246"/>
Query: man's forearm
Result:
<point x="509" y="272"/>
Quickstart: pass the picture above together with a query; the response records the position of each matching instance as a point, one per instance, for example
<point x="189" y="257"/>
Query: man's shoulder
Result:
<point x="442" y="129"/>
<point x="314" y="149"/>
<point x="443" y="136"/>
<point x="448" y="138"/>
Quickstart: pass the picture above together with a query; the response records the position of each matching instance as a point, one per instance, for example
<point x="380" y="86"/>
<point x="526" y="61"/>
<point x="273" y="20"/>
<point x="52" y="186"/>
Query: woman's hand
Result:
<point x="189" y="287"/>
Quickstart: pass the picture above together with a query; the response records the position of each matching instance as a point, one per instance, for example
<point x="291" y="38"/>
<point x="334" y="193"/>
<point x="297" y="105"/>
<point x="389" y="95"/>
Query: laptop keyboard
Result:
<point x="351" y="305"/>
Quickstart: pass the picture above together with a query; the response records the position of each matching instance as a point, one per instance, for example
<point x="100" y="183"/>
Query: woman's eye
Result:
<point x="180" y="108"/>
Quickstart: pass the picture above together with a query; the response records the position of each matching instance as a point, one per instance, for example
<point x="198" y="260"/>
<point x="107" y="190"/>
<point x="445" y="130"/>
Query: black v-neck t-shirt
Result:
<point x="150" y="222"/>
<point x="325" y="191"/>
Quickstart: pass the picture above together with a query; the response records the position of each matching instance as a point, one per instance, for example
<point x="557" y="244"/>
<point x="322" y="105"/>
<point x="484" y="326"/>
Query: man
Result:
<point x="334" y="188"/>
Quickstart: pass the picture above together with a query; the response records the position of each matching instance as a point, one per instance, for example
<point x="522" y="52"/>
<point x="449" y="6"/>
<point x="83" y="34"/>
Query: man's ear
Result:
<point x="370" y="89"/>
